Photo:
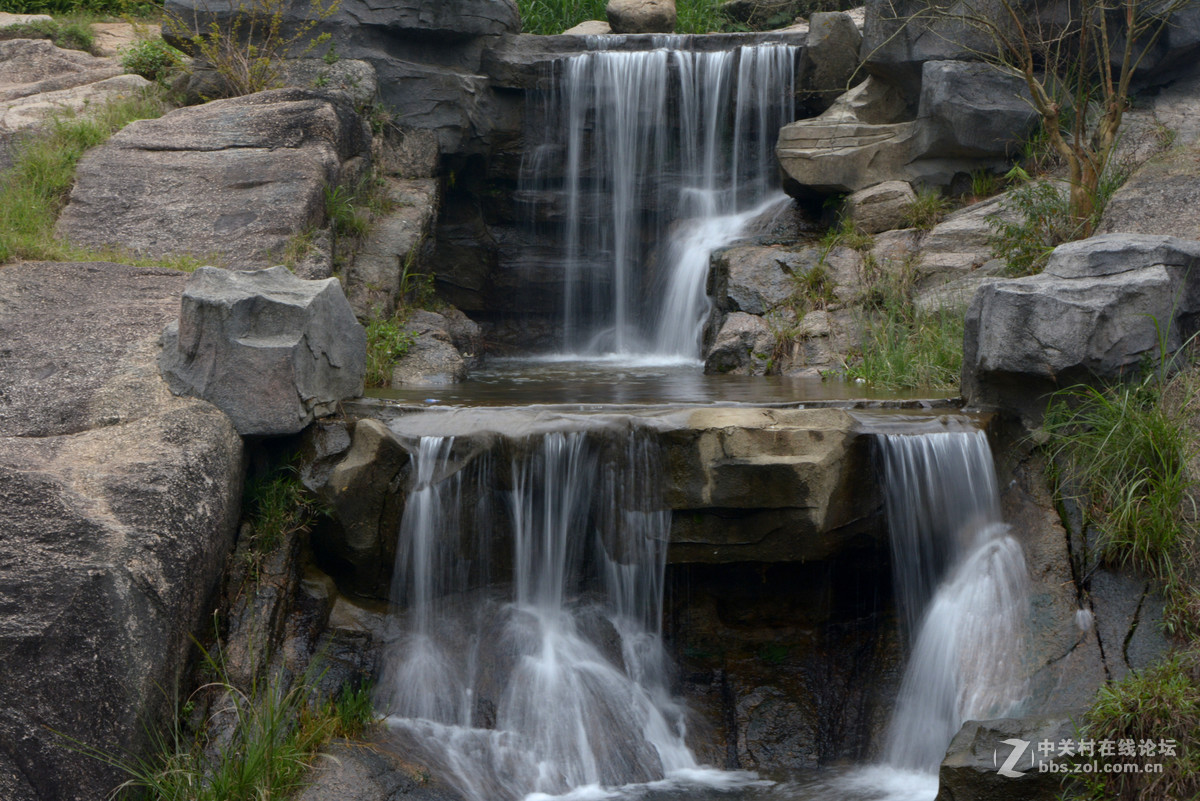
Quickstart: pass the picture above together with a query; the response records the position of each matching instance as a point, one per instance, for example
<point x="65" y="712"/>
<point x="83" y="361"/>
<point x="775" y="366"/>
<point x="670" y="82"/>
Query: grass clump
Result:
<point x="388" y="341"/>
<point x="926" y="210"/>
<point x="259" y="741"/>
<point x="34" y="190"/>
<point x="1123" y="455"/>
<point x="70" y="34"/>
<point x="109" y="9"/>
<point x="1159" y="705"/>
<point x="1042" y="224"/>
<point x="903" y="346"/>
<point x="277" y="506"/>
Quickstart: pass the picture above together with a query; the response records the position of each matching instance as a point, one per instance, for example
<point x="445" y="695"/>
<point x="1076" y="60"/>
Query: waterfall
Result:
<point x="961" y="588"/>
<point x="665" y="155"/>
<point x="560" y="681"/>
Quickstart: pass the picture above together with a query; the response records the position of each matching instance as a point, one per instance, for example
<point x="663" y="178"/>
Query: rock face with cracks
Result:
<point x="1101" y="307"/>
<point x="119" y="502"/>
<point x="270" y="350"/>
<point x="232" y="180"/>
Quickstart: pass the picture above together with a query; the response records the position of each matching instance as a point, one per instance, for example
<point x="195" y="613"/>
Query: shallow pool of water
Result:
<point x="626" y="380"/>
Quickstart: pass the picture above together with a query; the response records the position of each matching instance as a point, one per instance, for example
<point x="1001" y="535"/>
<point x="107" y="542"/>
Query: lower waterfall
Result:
<point x="558" y="680"/>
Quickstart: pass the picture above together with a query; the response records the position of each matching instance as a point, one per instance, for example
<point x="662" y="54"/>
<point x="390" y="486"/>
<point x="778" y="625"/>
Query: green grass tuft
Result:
<point x="70" y="34"/>
<point x="549" y="17"/>
<point x="388" y="341"/>
<point x="34" y="190"/>
<point x="927" y="210"/>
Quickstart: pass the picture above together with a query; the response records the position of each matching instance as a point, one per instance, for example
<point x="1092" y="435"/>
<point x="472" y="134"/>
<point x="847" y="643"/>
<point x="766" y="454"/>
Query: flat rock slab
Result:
<point x="1163" y="197"/>
<point x="233" y="180"/>
<point x="119" y="502"/>
<point x="32" y="66"/>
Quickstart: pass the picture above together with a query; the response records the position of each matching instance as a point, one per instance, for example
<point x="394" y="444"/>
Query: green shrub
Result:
<point x="71" y="34"/>
<point x="1043" y="223"/>
<point x="153" y="59"/>
<point x="555" y="16"/>
<point x="99" y="8"/>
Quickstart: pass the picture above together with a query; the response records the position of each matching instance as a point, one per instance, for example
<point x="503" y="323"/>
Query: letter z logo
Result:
<point x="1018" y="750"/>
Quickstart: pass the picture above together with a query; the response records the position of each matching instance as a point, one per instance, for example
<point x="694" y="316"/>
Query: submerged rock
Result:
<point x="270" y="350"/>
<point x="119" y="503"/>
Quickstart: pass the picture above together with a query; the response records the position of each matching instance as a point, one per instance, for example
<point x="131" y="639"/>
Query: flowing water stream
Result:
<point x="662" y="156"/>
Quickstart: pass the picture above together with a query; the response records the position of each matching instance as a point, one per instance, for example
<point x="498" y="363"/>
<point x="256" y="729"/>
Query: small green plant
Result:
<point x="331" y="55"/>
<point x="388" y="341"/>
<point x="342" y="213"/>
<point x="352" y="711"/>
<point x="926" y="210"/>
<point x="276" y="506"/>
<point x="153" y="59"/>
<point x="984" y="184"/>
<point x="34" y="189"/>
<point x="248" y="50"/>
<point x="111" y="9"/>
<point x="71" y="34"/>
<point x="1043" y="223"/>
<point x="846" y="234"/>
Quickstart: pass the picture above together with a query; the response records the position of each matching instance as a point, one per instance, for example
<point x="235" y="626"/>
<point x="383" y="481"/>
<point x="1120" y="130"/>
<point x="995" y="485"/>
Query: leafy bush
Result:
<point x="555" y="16"/>
<point x="153" y="59"/>
<point x="248" y="50"/>
<point x="1043" y="223"/>
<point x="99" y="8"/>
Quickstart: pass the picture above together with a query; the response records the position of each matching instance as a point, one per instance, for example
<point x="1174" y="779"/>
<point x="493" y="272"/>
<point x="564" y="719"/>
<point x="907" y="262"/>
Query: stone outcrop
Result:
<point x="743" y="346"/>
<point x="119" y="501"/>
<point x="969" y="771"/>
<point x="641" y="16"/>
<point x="432" y="358"/>
<point x="392" y="249"/>
<point x="968" y="116"/>
<point x="830" y="59"/>
<point x="232" y="180"/>
<point x="426" y="57"/>
<point x="38" y="80"/>
<point x="1096" y="312"/>
<point x="880" y="208"/>
<point x="270" y="350"/>
<point x="1162" y="197"/>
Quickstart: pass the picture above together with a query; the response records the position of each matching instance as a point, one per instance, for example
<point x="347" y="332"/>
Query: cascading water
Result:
<point x="961" y="586"/>
<point x="665" y="155"/>
<point x="562" y="682"/>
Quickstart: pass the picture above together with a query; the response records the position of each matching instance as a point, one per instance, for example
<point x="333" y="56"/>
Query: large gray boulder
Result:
<point x="754" y="279"/>
<point x="830" y="59"/>
<point x="270" y="350"/>
<point x="119" y="503"/>
<point x="1100" y="310"/>
<point x="968" y="116"/>
<point x="232" y="180"/>
<point x="971" y="769"/>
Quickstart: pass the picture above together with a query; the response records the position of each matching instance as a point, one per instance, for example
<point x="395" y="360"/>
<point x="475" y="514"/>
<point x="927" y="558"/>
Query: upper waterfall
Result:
<point x="653" y="159"/>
